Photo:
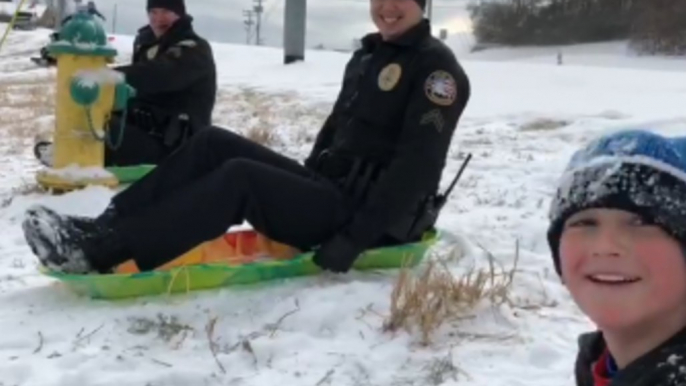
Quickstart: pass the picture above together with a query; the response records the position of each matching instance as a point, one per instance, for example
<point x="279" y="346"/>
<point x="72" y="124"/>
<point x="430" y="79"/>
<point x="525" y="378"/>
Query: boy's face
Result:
<point x="621" y="271"/>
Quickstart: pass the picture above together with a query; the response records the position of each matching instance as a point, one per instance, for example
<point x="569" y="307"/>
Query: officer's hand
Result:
<point x="337" y="255"/>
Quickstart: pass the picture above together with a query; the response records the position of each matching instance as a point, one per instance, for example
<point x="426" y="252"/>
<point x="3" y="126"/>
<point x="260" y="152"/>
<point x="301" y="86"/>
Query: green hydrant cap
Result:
<point x="82" y="35"/>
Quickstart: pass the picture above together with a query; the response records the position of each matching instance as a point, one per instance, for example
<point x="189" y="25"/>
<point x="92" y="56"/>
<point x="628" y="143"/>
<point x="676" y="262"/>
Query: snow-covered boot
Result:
<point x="72" y="244"/>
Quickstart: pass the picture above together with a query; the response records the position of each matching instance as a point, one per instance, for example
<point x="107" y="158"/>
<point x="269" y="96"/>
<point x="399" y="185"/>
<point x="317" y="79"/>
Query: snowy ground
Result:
<point x="523" y="122"/>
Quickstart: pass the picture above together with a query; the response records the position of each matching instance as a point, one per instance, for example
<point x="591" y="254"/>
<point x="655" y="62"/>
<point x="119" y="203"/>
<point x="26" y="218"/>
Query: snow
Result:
<point x="527" y="116"/>
<point x="79" y="173"/>
<point x="84" y="46"/>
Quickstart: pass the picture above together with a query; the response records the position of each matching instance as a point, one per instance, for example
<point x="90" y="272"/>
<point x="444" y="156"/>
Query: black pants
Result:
<point x="136" y="148"/>
<point x="219" y="179"/>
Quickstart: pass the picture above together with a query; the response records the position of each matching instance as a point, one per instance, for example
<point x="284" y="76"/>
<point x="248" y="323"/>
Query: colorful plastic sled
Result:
<point x="241" y="257"/>
<point x="130" y="174"/>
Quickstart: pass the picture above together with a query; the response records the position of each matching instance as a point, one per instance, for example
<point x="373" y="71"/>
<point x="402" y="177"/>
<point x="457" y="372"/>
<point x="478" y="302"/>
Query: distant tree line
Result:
<point x="652" y="26"/>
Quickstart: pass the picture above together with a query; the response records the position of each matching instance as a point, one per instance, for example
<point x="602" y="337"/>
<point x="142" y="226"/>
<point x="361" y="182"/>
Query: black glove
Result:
<point x="337" y="255"/>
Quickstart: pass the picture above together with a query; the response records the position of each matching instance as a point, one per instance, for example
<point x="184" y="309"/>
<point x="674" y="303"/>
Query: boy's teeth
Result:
<point x="390" y="19"/>
<point x="610" y="278"/>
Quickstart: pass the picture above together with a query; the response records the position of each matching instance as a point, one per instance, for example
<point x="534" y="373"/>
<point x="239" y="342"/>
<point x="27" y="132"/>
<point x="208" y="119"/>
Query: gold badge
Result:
<point x="390" y="76"/>
<point x="440" y="88"/>
<point x="152" y="52"/>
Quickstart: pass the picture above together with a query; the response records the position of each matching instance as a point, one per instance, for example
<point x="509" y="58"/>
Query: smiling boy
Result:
<point x="618" y="236"/>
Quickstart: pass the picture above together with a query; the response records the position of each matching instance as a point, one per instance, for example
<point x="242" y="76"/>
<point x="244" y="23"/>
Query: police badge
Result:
<point x="389" y="76"/>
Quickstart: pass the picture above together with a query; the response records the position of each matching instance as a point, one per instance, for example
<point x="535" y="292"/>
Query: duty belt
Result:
<point x="171" y="129"/>
<point x="353" y="174"/>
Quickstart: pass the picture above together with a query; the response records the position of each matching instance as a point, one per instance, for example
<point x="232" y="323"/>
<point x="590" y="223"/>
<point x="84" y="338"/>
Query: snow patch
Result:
<point x="100" y="76"/>
<point x="84" y="46"/>
<point x="76" y="173"/>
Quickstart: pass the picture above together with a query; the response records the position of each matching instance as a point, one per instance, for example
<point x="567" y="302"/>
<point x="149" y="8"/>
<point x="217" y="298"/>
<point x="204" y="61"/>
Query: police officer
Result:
<point x="376" y="160"/>
<point x="174" y="74"/>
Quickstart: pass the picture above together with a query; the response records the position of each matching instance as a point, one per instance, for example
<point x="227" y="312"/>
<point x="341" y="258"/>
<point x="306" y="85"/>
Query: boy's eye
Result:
<point x="642" y="221"/>
<point x="582" y="222"/>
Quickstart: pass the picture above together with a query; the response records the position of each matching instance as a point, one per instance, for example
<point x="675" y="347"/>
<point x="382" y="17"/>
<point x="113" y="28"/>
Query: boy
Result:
<point x="617" y="236"/>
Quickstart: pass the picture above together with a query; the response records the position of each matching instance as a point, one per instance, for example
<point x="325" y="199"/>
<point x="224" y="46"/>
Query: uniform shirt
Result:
<point x="175" y="73"/>
<point x="398" y="106"/>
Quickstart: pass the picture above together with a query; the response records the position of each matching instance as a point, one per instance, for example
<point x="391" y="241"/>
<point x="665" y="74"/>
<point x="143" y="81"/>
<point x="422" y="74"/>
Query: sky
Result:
<point x="332" y="23"/>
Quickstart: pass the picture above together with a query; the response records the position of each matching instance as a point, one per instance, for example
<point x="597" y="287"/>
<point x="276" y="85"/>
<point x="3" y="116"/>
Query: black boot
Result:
<point x="72" y="244"/>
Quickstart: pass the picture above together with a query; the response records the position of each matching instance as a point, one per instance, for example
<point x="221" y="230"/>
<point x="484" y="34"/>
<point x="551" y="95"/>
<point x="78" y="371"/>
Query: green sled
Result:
<point x="208" y="276"/>
<point x="129" y="174"/>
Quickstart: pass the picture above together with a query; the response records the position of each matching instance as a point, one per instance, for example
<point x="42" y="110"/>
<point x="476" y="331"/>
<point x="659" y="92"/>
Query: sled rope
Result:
<point x="11" y="24"/>
<point x="175" y="274"/>
<point x="107" y="137"/>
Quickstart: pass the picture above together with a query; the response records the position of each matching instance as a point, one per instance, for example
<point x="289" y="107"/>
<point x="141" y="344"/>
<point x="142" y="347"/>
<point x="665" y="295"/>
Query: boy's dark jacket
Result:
<point x="663" y="366"/>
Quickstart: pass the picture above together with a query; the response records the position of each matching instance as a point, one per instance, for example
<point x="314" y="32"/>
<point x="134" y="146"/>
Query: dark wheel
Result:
<point x="42" y="150"/>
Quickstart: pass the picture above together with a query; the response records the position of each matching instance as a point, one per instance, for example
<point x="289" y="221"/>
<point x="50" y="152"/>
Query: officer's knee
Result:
<point x="240" y="172"/>
<point x="241" y="166"/>
<point x="214" y="135"/>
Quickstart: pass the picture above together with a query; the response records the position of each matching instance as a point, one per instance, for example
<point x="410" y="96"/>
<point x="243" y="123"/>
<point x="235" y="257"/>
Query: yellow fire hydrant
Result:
<point x="87" y="93"/>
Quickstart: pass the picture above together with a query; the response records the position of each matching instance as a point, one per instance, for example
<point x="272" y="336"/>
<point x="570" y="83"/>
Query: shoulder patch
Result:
<point x="174" y="51"/>
<point x="187" y="43"/>
<point x="440" y="88"/>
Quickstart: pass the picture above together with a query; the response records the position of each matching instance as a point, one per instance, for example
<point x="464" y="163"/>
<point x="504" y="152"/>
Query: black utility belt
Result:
<point x="172" y="129"/>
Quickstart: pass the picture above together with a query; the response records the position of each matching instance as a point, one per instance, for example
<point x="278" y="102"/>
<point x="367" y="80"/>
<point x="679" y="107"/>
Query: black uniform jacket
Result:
<point x="663" y="366"/>
<point x="175" y="73"/>
<point x="398" y="106"/>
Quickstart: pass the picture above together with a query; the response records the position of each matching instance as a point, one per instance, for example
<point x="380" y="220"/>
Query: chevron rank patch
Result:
<point x="435" y="118"/>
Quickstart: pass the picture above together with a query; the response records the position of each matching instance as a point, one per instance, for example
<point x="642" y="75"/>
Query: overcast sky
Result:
<point x="334" y="23"/>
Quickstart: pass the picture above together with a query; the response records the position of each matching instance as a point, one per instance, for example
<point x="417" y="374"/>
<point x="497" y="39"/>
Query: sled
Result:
<point x="236" y="258"/>
<point x="130" y="174"/>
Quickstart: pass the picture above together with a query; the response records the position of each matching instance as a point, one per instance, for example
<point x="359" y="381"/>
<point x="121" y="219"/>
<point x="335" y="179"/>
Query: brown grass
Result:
<point x="22" y="102"/>
<point x="261" y="134"/>
<point x="543" y="124"/>
<point x="428" y="300"/>
<point x="23" y="189"/>
<point x="258" y="115"/>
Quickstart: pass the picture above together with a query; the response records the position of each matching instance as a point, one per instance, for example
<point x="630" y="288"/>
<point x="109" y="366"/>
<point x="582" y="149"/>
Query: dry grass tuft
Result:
<point x="262" y="135"/>
<point x="435" y="296"/>
<point x="543" y="124"/>
<point x="259" y="115"/>
<point x="24" y="189"/>
<point x="166" y="327"/>
<point x="22" y="103"/>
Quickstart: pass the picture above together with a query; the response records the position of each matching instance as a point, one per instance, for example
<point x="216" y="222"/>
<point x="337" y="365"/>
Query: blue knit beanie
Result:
<point x="634" y="170"/>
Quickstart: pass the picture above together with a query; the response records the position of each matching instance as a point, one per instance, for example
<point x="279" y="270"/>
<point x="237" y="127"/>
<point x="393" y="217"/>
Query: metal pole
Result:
<point x="61" y="12"/>
<point x="295" y="22"/>
<point x="114" y="19"/>
<point x="258" y="9"/>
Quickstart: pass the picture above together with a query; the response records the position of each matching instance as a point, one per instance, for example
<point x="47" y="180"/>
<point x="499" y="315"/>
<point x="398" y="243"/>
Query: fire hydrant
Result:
<point x="87" y="94"/>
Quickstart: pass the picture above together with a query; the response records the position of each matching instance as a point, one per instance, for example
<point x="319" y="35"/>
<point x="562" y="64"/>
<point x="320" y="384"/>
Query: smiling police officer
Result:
<point x="375" y="163"/>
